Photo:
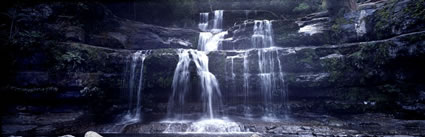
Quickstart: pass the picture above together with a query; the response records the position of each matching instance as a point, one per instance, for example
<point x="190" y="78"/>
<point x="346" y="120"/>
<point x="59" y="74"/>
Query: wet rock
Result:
<point x="255" y="135"/>
<point x="138" y="36"/>
<point x="250" y="128"/>
<point x="157" y="128"/>
<point x="75" y="34"/>
<point x="67" y="136"/>
<point x="230" y="17"/>
<point x="107" y="40"/>
<point x="94" y="24"/>
<point x="91" y="134"/>
<point x="14" y="129"/>
<point x="272" y="129"/>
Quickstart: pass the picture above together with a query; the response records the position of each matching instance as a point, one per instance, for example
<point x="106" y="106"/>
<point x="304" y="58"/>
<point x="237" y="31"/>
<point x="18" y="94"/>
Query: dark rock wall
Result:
<point x="76" y="53"/>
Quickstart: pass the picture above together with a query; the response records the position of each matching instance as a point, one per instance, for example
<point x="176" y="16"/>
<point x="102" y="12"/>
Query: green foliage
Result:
<point x="27" y="39"/>
<point x="91" y="92"/>
<point x="384" y="18"/>
<point x="335" y="67"/>
<point x="416" y="9"/>
<point x="309" y="56"/>
<point x="70" y="60"/>
<point x="302" y="7"/>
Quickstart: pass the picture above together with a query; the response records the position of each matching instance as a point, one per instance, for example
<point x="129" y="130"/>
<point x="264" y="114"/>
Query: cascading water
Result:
<point x="272" y="81"/>
<point x="137" y="65"/>
<point x="269" y="75"/>
<point x="180" y="86"/>
<point x="204" y="37"/>
<point x="209" y="84"/>
<point x="135" y="86"/>
<point x="246" y="76"/>
<point x="210" y="40"/>
<point x="263" y="34"/>
<point x="211" y="95"/>
<point x="218" y="21"/>
<point x="214" y="42"/>
<point x="203" y="21"/>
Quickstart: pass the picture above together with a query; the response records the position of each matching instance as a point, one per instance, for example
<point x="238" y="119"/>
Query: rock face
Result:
<point x="372" y="21"/>
<point x="368" y="60"/>
<point x="94" y="24"/>
<point x="139" y="36"/>
<point x="340" y="72"/>
<point x="91" y="134"/>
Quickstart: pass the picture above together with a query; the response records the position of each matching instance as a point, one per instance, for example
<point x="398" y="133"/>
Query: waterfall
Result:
<point x="209" y="84"/>
<point x="263" y="34"/>
<point x="264" y="90"/>
<point x="218" y="21"/>
<point x="203" y="21"/>
<point x="211" y="94"/>
<point x="136" y="75"/>
<point x="214" y="43"/>
<point x="246" y="76"/>
<point x="204" y="37"/>
<point x="210" y="40"/>
<point x="180" y="86"/>
<point x="134" y="79"/>
<point x="272" y="84"/>
<point x="271" y="78"/>
<point x="270" y="92"/>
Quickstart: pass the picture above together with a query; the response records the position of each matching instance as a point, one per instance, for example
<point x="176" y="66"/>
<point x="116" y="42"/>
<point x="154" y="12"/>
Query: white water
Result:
<point x="271" y="86"/>
<point x="209" y="84"/>
<point x="134" y="113"/>
<point x="176" y="103"/>
<point x="214" y="43"/>
<point x="311" y="29"/>
<point x="218" y="21"/>
<point x="135" y="87"/>
<point x="210" y="91"/>
<point x="246" y="76"/>
<point x="271" y="81"/>
<point x="214" y="126"/>
<point x="204" y="126"/>
<point x="263" y="34"/>
<point x="204" y="37"/>
<point x="210" y="97"/>
<point x="271" y="91"/>
<point x="361" y="24"/>
<point x="210" y="40"/>
<point x="203" y="21"/>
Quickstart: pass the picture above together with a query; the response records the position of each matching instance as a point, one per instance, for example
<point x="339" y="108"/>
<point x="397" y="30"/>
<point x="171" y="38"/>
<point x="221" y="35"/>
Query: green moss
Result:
<point x="335" y="67"/>
<point x="384" y="19"/>
<point x="71" y="60"/>
<point x="302" y="7"/>
<point x="308" y="56"/>
<point x="336" y="28"/>
<point x="416" y="9"/>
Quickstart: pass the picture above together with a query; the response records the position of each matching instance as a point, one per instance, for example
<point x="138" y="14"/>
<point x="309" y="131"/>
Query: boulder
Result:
<point x="92" y="134"/>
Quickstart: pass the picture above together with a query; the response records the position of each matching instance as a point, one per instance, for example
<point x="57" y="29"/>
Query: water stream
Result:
<point x="263" y="82"/>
